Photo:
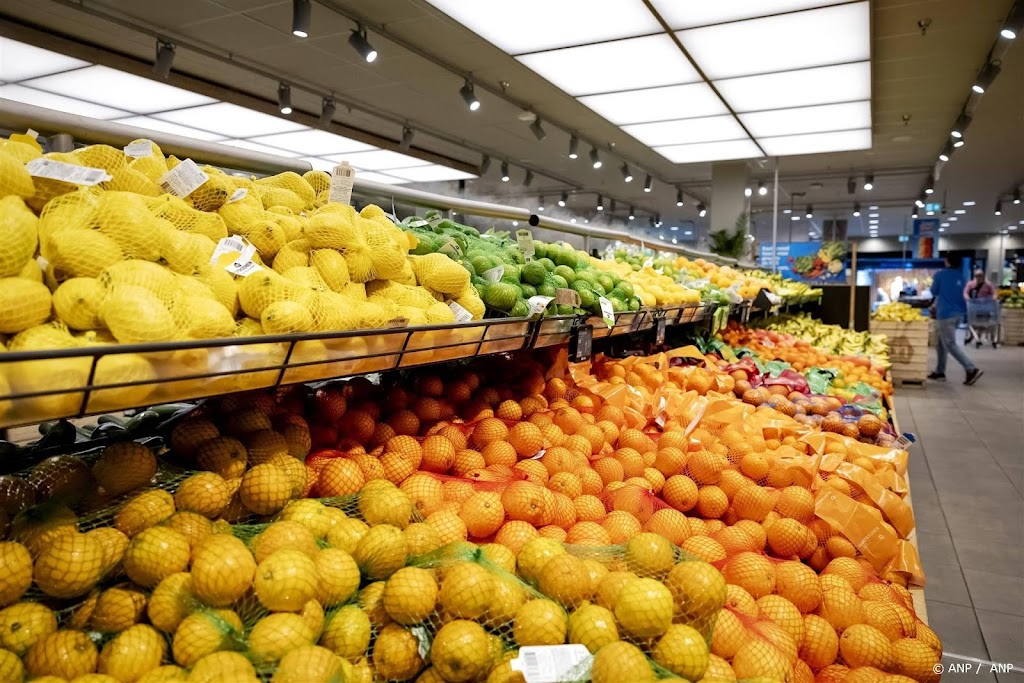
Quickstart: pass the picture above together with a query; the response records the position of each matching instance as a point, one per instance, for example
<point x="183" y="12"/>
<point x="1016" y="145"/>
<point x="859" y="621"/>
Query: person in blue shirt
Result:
<point x="948" y="308"/>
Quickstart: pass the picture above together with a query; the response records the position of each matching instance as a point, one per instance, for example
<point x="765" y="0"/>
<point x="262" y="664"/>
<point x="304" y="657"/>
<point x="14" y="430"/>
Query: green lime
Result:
<point x="559" y="282"/>
<point x="566" y="272"/>
<point x="540" y="250"/>
<point x="548" y="264"/>
<point x="605" y="280"/>
<point x="520" y="310"/>
<point x="533" y="273"/>
<point x="547" y="289"/>
<point x="527" y="290"/>
<point x="588" y="299"/>
<point x="501" y="296"/>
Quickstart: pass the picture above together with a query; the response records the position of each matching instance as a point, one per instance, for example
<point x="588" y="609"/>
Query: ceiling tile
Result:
<point x="845" y="116"/>
<point x="680" y="15"/>
<point x="816" y="143"/>
<point x="619" y="65"/>
<point x="657" y="104"/>
<point x="831" y="35"/>
<point x="256" y="147"/>
<point x="709" y="129"/>
<point x="230" y="120"/>
<point x="379" y="160"/>
<point x="19" y="61"/>
<point x="533" y="25"/>
<point x="118" y="89"/>
<point x="313" y="142"/>
<point x="801" y="88"/>
<point x="152" y="124"/>
<point x="38" y="98"/>
<point x="710" y="151"/>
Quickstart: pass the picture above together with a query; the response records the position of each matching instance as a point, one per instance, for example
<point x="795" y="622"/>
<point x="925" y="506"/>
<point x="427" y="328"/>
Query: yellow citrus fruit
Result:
<point x="205" y="493"/>
<point x="421" y="538"/>
<point x="154" y="554"/>
<point x="117" y="608"/>
<point x="65" y="654"/>
<point x="387" y="504"/>
<point x="799" y="584"/>
<point x="610" y="585"/>
<point x="135" y="651"/>
<point x="565" y="579"/>
<point x="143" y="511"/>
<point x="11" y="668"/>
<point x="740" y="601"/>
<point x="891" y="619"/>
<point x="168" y="673"/>
<point x="124" y="466"/>
<point x="283" y="535"/>
<point x="223" y="455"/>
<point x="460" y="651"/>
<point x="345" y="533"/>
<point x="592" y="626"/>
<point x="698" y="589"/>
<point x="682" y="651"/>
<point x="915" y="659"/>
<point x="506" y="599"/>
<point x="15" y="572"/>
<point x="193" y="526"/>
<point x="466" y="590"/>
<point x="24" y="623"/>
<point x="448" y="525"/>
<point x="205" y="632"/>
<point x="222" y="570"/>
<point x="784" y="613"/>
<point x="841" y="608"/>
<point x="380" y="551"/>
<point x="777" y="637"/>
<point x="265" y="489"/>
<point x="310" y="513"/>
<point x="540" y="622"/>
<point x="114" y="545"/>
<point x="312" y="664"/>
<point x="820" y="645"/>
<point x="648" y="554"/>
<point x="222" y="666"/>
<point x="171" y="601"/>
<point x="620" y="661"/>
<point x="396" y="653"/>
<point x="347" y="632"/>
<point x="339" y="576"/>
<point x="752" y="572"/>
<point x="534" y="554"/>
<point x="644" y="608"/>
<point x="863" y="645"/>
<point x="69" y="565"/>
<point x="719" y="670"/>
<point x="275" y="635"/>
<point x="371" y="601"/>
<point x="286" y="581"/>
<point x="729" y="634"/>
<point x="759" y="659"/>
<point x="410" y="595"/>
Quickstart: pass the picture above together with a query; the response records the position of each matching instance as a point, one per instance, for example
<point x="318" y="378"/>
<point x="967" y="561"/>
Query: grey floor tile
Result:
<point x="958" y="628"/>
<point x="996" y="593"/>
<point x="960" y="671"/>
<point x="945" y="583"/>
<point x="936" y="548"/>
<point x="1004" y="636"/>
<point x="998" y="557"/>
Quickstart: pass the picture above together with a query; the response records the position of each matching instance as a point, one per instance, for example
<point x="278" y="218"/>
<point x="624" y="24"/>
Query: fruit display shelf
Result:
<point x="908" y="348"/>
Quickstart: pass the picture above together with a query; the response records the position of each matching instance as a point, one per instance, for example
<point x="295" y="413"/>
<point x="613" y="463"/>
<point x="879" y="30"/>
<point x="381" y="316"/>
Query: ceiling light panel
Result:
<point x="117" y="89"/>
<point x="313" y="142"/>
<point x="230" y="120"/>
<point x="425" y="174"/>
<point x="815" y="143"/>
<point x="629" y="64"/>
<point x="319" y="164"/>
<point x="152" y="124"/>
<point x="257" y="147"/>
<point x="709" y="151"/>
<point x="657" y="104"/>
<point x="680" y="15"/>
<point x="38" y="98"/>
<point x="846" y="116"/>
<point x="19" y="61"/>
<point x="830" y="35"/>
<point x="380" y="160"/>
<point x="802" y="88"/>
<point x="535" y="25"/>
<point x="710" y="129"/>
<point x="379" y="178"/>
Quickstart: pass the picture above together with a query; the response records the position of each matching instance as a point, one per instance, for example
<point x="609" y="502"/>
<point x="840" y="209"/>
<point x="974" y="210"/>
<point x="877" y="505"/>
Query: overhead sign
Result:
<point x="807" y="261"/>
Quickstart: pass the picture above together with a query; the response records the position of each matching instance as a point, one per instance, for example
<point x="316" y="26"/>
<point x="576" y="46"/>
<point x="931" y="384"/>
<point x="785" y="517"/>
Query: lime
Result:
<point x="482" y="262"/>
<point x="527" y="290"/>
<point x="520" y="310"/>
<point x="548" y="264"/>
<point x="565" y="257"/>
<point x="501" y="296"/>
<point x="564" y="309"/>
<point x="546" y="289"/>
<point x="540" y="250"/>
<point x="566" y="272"/>
<point x="626" y="288"/>
<point x="605" y="280"/>
<point x="634" y="304"/>
<point x="581" y="286"/>
<point x="588" y="299"/>
<point x="533" y="273"/>
<point x="599" y="289"/>
<point x="559" y="282"/>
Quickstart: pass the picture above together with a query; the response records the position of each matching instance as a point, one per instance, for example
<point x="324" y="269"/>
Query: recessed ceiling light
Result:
<point x="929" y="213"/>
<point x="432" y="173"/>
<point x="802" y="88"/>
<point x="953" y="219"/>
<point x="709" y="151"/>
<point x="381" y="178"/>
<point x="613" y="67"/>
<point x="872" y="215"/>
<point x="257" y="147"/>
<point x="709" y="129"/>
<point x="19" y="61"/>
<point x="814" y="143"/>
<point x="942" y="229"/>
<point x="819" y="119"/>
<point x="671" y="102"/>
<point x="687" y="232"/>
<point x="873" y="221"/>
<point x="674" y="228"/>
<point x="969" y="203"/>
<point x="688" y="15"/>
<point x="960" y="212"/>
<point x="873" y="208"/>
<point x="945" y="225"/>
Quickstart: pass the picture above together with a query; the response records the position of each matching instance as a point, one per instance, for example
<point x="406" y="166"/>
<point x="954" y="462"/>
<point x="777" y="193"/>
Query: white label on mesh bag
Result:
<point x="422" y="640"/>
<point x="461" y="314"/>
<point x="183" y="179"/>
<point x="235" y="254"/>
<point x="238" y="195"/>
<point x="342" y="178"/>
<point x="451" y="248"/>
<point x="138" y="149"/>
<point x="538" y="303"/>
<point x="68" y="173"/>
<point x="553" y="663"/>
<point x="525" y="240"/>
<point x="494" y="274"/>
<point x="607" y="312"/>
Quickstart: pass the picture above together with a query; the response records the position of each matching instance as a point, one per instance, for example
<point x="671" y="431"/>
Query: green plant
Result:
<point x="731" y="244"/>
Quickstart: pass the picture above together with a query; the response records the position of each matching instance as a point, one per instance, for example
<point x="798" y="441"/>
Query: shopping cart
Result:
<point x="982" y="318"/>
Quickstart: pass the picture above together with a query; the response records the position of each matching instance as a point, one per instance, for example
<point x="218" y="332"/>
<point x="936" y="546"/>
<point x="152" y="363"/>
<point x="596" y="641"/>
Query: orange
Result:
<point x="568" y="420"/>
<point x="205" y="493"/>
<point x="553" y="532"/>
<point x="466" y="460"/>
<point x="711" y="502"/>
<point x="155" y="554"/>
<point x="143" y="511"/>
<point x="265" y="489"/>
<point x="457" y="490"/>
<point x="438" y="454"/>
<point x="487" y="430"/>
<point x="609" y="469"/>
<point x="798" y="583"/>
<point x="369" y="465"/>
<point x="620" y="661"/>
<point x="528" y="502"/>
<point x="223" y="455"/>
<point x="558" y="459"/>
<point x="594" y="435"/>
<point x="70" y="565"/>
<point x="850" y="570"/>
<point x="579" y="445"/>
<point x="23" y="624"/>
<point x="588" y="533"/>
<point x="635" y="439"/>
<point x="515" y="533"/>
<point x="704" y="548"/>
<point x="670" y="461"/>
<point x="564" y="511"/>
<point x="752" y="572"/>
<point x="340" y="477"/>
<point x="171" y="601"/>
<point x="819" y="645"/>
<point x="533" y="470"/>
<point x="117" y="608"/>
<point x="841" y="608"/>
<point x="509" y="410"/>
<point x="456" y="436"/>
<point x="759" y="659"/>
<point x="357" y="425"/>
<point x="680" y="492"/>
<point x="526" y="438"/>
<point x="621" y="525"/>
<point x="565" y="579"/>
<point x="787" y="537"/>
<point x="460" y="652"/>
<point x="448" y="525"/>
<point x="425" y="492"/>
<point x="382" y="433"/>
<point x="397" y="467"/>
<point x="863" y="645"/>
<point x="482" y="513"/>
<point x="585" y="404"/>
<point x="64" y="654"/>
<point x="405" y="422"/>
<point x="669" y="523"/>
<point x="915" y="659"/>
<point x="566" y="483"/>
<point x="499" y="453"/>
<point x="705" y="467"/>
<point x="590" y="479"/>
<point x="132" y="653"/>
<point x="796" y="502"/>
<point x="735" y="540"/>
<point x="631" y="460"/>
<point x="589" y="508"/>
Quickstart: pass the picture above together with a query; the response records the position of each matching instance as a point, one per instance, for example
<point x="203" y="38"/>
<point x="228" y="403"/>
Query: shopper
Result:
<point x="948" y="308"/>
<point x="979" y="287"/>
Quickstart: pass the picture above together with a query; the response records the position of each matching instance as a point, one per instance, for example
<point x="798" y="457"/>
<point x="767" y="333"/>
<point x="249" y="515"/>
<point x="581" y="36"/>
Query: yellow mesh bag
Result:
<point x="74" y="210"/>
<point x="190" y="286"/>
<point x="202" y="317"/>
<point x="374" y="314"/>
<point x="14" y="179"/>
<point x="221" y="283"/>
<point x="308" y="276"/>
<point x="332" y="268"/>
<point x="472" y="302"/>
<point x="77" y="303"/>
<point x="157" y="279"/>
<point x="106" y="157"/>
<point x="131" y="180"/>
<point x="279" y="196"/>
<point x="354" y="290"/>
<point x="178" y="212"/>
<point x="323" y="197"/>
<point x="239" y="215"/>
<point x="293" y="254"/>
<point x="267" y="236"/>
<point x="24" y="151"/>
<point x="122" y="368"/>
<point x="23" y="304"/>
<point x="333" y="230"/>
<point x="387" y="248"/>
<point x="318" y="180"/>
<point x="185" y="252"/>
<point x="407" y="276"/>
<point x="292" y="182"/>
<point x="286" y="317"/>
<point x="31" y="271"/>
<point x="82" y="253"/>
<point x="291" y="225"/>
<point x="439" y="314"/>
<point x="134" y="314"/>
<point x="48" y="375"/>
<point x="19" y="235"/>
<point x="439" y="272"/>
<point x="417" y="317"/>
<point x="247" y="327"/>
<point x="261" y="289"/>
<point x="333" y="312"/>
<point x="153" y="166"/>
<point x="126" y="219"/>
<point x="212" y="194"/>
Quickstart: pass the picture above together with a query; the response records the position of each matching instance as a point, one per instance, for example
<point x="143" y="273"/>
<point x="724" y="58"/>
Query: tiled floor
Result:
<point x="967" y="483"/>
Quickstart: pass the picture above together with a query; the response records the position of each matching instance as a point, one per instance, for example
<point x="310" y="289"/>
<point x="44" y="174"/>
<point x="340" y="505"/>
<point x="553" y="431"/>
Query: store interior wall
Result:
<point x="988" y="243"/>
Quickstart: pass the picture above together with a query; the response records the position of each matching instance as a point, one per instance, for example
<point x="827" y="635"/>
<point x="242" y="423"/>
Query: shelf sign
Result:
<point x="581" y="343"/>
<point x="659" y="331"/>
<point x="607" y="312"/>
<point x="525" y="240"/>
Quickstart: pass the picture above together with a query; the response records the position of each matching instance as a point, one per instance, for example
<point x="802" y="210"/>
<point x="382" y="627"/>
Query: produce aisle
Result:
<point x="967" y="476"/>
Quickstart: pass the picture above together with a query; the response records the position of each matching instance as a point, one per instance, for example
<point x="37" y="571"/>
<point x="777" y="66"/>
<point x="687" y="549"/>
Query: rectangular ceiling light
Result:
<point x="830" y="35"/>
<point x="257" y="147"/>
<point x="379" y="178"/>
<point x="230" y="120"/>
<point x="151" y="124"/>
<point x="680" y="15"/>
<point x="320" y="164"/>
<point x="118" y="89"/>
<point x="710" y="151"/>
<point x="313" y="142"/>
<point x="709" y="129"/>
<point x="425" y="174"/>
<point x="535" y="25"/>
<point x="38" y="98"/>
<point x="657" y="104"/>
<point x="628" y="64"/>
<point x="845" y="116"/>
<point x="19" y="61"/>
<point x="380" y="160"/>
<point x="802" y="88"/>
<point x="814" y="143"/>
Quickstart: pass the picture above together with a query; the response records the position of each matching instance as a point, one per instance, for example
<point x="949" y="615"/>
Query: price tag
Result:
<point x="648" y="263"/>
<point x="567" y="297"/>
<point x="607" y="312"/>
<point x="417" y="223"/>
<point x="139" y="149"/>
<point x="397" y="322"/>
<point x="183" y="179"/>
<point x="461" y="314"/>
<point x="581" y="343"/>
<point x="494" y="274"/>
<point x="452" y="248"/>
<point x="659" y="331"/>
<point x="553" y="663"/>
<point x="68" y="173"/>
<point x="434" y="222"/>
<point x="525" y="240"/>
<point x="238" y="195"/>
<point x="342" y="178"/>
<point x="235" y="255"/>
<point x="422" y="641"/>
<point x="538" y="303"/>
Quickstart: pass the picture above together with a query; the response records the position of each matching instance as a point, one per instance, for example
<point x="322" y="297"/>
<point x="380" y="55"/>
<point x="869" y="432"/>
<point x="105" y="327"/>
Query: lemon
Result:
<point x="347" y="632"/>
<point x="19" y="235"/>
<point x="23" y="304"/>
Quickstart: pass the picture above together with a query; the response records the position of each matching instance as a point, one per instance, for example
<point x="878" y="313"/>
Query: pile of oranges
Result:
<point x="348" y="533"/>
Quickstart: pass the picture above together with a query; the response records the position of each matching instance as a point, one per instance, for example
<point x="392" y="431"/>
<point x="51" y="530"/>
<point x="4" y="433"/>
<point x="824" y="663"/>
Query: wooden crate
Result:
<point x="908" y="348"/>
<point x="1012" y="321"/>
